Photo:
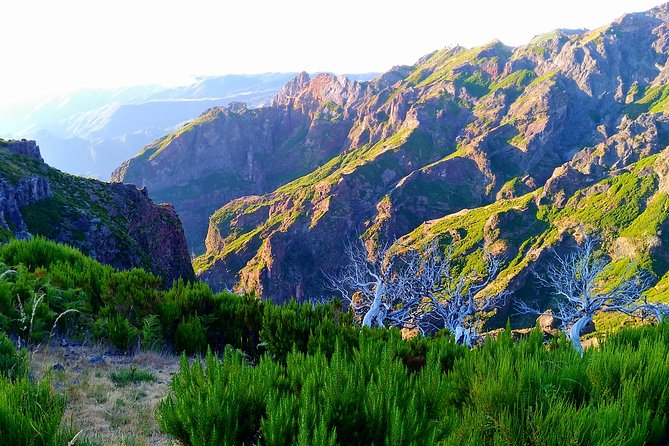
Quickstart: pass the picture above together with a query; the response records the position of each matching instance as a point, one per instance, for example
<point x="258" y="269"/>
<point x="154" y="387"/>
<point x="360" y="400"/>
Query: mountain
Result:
<point x="519" y="149"/>
<point x="91" y="132"/>
<point x="115" y="224"/>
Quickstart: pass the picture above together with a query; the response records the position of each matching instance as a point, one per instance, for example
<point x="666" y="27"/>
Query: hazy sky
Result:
<point x="49" y="47"/>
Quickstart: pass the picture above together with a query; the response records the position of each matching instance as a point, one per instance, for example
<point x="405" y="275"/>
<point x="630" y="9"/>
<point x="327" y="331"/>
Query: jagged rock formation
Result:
<point x="116" y="224"/>
<point x="468" y="145"/>
<point x="236" y="151"/>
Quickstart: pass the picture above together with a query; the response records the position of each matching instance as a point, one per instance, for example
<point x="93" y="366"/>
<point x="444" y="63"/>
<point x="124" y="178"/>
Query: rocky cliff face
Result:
<point x="491" y="136"/>
<point x="113" y="223"/>
<point x="235" y="151"/>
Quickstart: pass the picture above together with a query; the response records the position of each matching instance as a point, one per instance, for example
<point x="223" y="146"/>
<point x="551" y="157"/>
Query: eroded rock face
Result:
<point x="116" y="224"/>
<point x="13" y="197"/>
<point x="457" y="131"/>
<point x="235" y="151"/>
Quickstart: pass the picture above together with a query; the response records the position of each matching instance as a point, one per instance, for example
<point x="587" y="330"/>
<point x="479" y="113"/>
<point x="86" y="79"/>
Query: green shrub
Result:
<point x="131" y="375"/>
<point x="152" y="332"/>
<point x="364" y="397"/>
<point x="387" y="390"/>
<point x="117" y="330"/>
<point x="30" y="413"/>
<point x="293" y="325"/>
<point x="13" y="363"/>
<point x="190" y="336"/>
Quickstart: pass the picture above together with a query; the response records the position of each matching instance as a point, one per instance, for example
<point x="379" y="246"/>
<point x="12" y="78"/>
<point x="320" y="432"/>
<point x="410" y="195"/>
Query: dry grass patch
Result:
<point x="111" y="397"/>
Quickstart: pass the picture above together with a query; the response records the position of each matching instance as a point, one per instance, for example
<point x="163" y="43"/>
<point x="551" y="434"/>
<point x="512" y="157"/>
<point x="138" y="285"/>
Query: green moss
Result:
<point x="648" y="223"/>
<point x="516" y="81"/>
<point x="616" y="205"/>
<point x="548" y="78"/>
<point x="151" y="151"/>
<point x="654" y="100"/>
<point x="477" y="84"/>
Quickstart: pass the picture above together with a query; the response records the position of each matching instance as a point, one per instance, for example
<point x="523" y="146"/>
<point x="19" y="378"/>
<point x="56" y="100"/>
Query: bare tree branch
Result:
<point x="581" y="289"/>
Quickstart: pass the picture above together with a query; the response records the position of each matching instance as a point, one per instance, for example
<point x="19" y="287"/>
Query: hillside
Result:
<point x="113" y="223"/>
<point x="514" y="148"/>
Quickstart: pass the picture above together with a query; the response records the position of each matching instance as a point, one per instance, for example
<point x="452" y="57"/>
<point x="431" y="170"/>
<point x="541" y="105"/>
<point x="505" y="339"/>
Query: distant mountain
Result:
<point x="91" y="132"/>
<point x="517" y="149"/>
<point x="116" y="224"/>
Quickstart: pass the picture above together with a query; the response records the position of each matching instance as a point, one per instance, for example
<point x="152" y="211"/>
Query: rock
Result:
<point x="26" y="148"/>
<point x="96" y="360"/>
<point x="547" y="322"/>
<point x="58" y="367"/>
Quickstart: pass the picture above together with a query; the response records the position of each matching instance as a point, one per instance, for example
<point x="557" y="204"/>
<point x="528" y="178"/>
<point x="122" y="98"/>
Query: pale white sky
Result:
<point x="49" y="47"/>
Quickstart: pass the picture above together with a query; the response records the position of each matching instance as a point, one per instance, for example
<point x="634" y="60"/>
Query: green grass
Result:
<point x="517" y="81"/>
<point x="131" y="376"/>
<point x="654" y="100"/>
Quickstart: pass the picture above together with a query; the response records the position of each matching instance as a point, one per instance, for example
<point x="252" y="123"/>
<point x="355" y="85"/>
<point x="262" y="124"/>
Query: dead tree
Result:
<point x="582" y="290"/>
<point x="657" y="310"/>
<point x="454" y="302"/>
<point x="378" y="287"/>
<point x="417" y="290"/>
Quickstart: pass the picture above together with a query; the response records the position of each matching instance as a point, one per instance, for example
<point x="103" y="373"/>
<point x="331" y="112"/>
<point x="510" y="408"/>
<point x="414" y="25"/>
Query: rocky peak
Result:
<point x="307" y="95"/>
<point x="291" y="89"/>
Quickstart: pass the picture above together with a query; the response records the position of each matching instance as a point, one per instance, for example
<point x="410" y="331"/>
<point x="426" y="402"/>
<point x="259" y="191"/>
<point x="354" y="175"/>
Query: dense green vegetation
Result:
<point x="306" y="374"/>
<point x="130" y="308"/>
<point x="428" y="391"/>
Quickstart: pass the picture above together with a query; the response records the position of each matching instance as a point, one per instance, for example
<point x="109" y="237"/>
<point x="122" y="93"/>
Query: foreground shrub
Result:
<point x="30" y="413"/>
<point x="367" y="396"/>
<point x="391" y="391"/>
<point x="13" y="363"/>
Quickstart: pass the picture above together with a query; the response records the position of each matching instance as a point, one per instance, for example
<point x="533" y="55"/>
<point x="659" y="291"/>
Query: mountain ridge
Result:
<point x="461" y="129"/>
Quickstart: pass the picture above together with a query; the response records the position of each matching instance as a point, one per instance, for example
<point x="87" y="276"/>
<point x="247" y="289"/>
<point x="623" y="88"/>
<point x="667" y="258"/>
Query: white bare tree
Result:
<point x="378" y="287"/>
<point x="582" y="289"/>
<point x="657" y="310"/>
<point x="417" y="289"/>
<point x="455" y="302"/>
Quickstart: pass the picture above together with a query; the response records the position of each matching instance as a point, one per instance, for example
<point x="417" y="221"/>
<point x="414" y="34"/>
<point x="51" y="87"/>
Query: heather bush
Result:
<point x="190" y="336"/>
<point x="389" y="390"/>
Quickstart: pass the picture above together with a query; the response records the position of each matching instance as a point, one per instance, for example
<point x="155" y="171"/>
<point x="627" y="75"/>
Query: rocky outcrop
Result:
<point x="634" y="139"/>
<point x="13" y="197"/>
<point x="26" y="148"/>
<point x="113" y="223"/>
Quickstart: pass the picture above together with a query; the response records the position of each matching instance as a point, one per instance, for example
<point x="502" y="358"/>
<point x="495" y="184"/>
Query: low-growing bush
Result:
<point x="152" y="333"/>
<point x="361" y="396"/>
<point x="387" y="390"/>
<point x="131" y="375"/>
<point x="13" y="362"/>
<point x="117" y="330"/>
